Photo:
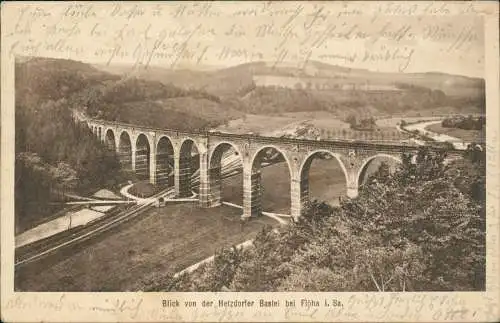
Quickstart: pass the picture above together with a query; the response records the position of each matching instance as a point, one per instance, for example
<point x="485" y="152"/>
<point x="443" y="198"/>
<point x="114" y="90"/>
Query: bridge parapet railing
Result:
<point x="148" y="128"/>
<point x="339" y="143"/>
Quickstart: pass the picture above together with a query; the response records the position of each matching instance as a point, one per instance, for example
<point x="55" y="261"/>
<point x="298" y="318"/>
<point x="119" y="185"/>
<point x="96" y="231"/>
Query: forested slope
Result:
<point x="410" y="100"/>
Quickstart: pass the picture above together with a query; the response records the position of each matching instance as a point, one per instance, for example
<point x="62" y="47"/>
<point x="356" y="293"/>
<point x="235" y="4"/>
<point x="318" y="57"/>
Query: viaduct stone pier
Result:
<point x="160" y="154"/>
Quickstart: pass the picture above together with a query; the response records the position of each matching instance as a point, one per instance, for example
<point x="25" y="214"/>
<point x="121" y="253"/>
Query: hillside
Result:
<point x="119" y="97"/>
<point x="230" y="80"/>
<point x="265" y="100"/>
<point x="224" y="82"/>
<point x="320" y="86"/>
<point x="182" y="113"/>
<point x="451" y="85"/>
<point x="214" y="97"/>
<point x="39" y="79"/>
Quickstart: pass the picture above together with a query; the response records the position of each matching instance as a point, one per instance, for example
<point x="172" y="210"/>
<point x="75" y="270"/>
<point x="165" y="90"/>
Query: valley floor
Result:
<point x="170" y="238"/>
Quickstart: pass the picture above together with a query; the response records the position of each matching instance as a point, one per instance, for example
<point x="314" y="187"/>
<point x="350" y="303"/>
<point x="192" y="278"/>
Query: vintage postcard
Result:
<point x="250" y="161"/>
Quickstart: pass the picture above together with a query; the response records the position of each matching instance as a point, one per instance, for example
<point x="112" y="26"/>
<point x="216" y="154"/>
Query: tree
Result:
<point x="438" y="96"/>
<point x="351" y="120"/>
<point x="261" y="270"/>
<point x="55" y="155"/>
<point x="423" y="206"/>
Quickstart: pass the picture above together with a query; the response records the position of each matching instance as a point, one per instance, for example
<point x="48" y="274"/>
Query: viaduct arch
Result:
<point x="252" y="179"/>
<point x="142" y="156"/>
<point x="125" y="150"/>
<point x="110" y="140"/>
<point x="302" y="195"/>
<point x="367" y="161"/>
<point x="222" y="151"/>
<point x="188" y="162"/>
<point x="164" y="161"/>
<point x="171" y="157"/>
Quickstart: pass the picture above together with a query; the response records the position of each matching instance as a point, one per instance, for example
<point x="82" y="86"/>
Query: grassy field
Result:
<point x="320" y="119"/>
<point x="258" y="124"/>
<point x="169" y="238"/>
<point x="393" y="122"/>
<point x="328" y="124"/>
<point x="466" y="135"/>
<point x="176" y="236"/>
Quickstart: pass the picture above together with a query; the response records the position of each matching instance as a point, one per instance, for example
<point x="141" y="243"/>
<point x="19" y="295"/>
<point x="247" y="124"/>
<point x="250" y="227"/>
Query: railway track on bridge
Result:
<point x="341" y="143"/>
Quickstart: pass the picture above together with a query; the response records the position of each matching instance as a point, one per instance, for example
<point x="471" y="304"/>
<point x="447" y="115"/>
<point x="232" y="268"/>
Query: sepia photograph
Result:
<point x="258" y="147"/>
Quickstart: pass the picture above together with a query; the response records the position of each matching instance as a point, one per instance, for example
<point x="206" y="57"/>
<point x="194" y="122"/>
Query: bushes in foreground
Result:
<point x="420" y="229"/>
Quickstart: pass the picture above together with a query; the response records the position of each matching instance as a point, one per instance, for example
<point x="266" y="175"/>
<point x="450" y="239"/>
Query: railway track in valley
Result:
<point x="50" y="246"/>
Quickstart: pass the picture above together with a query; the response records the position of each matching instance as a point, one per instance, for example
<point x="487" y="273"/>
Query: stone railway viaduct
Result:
<point x="148" y="150"/>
